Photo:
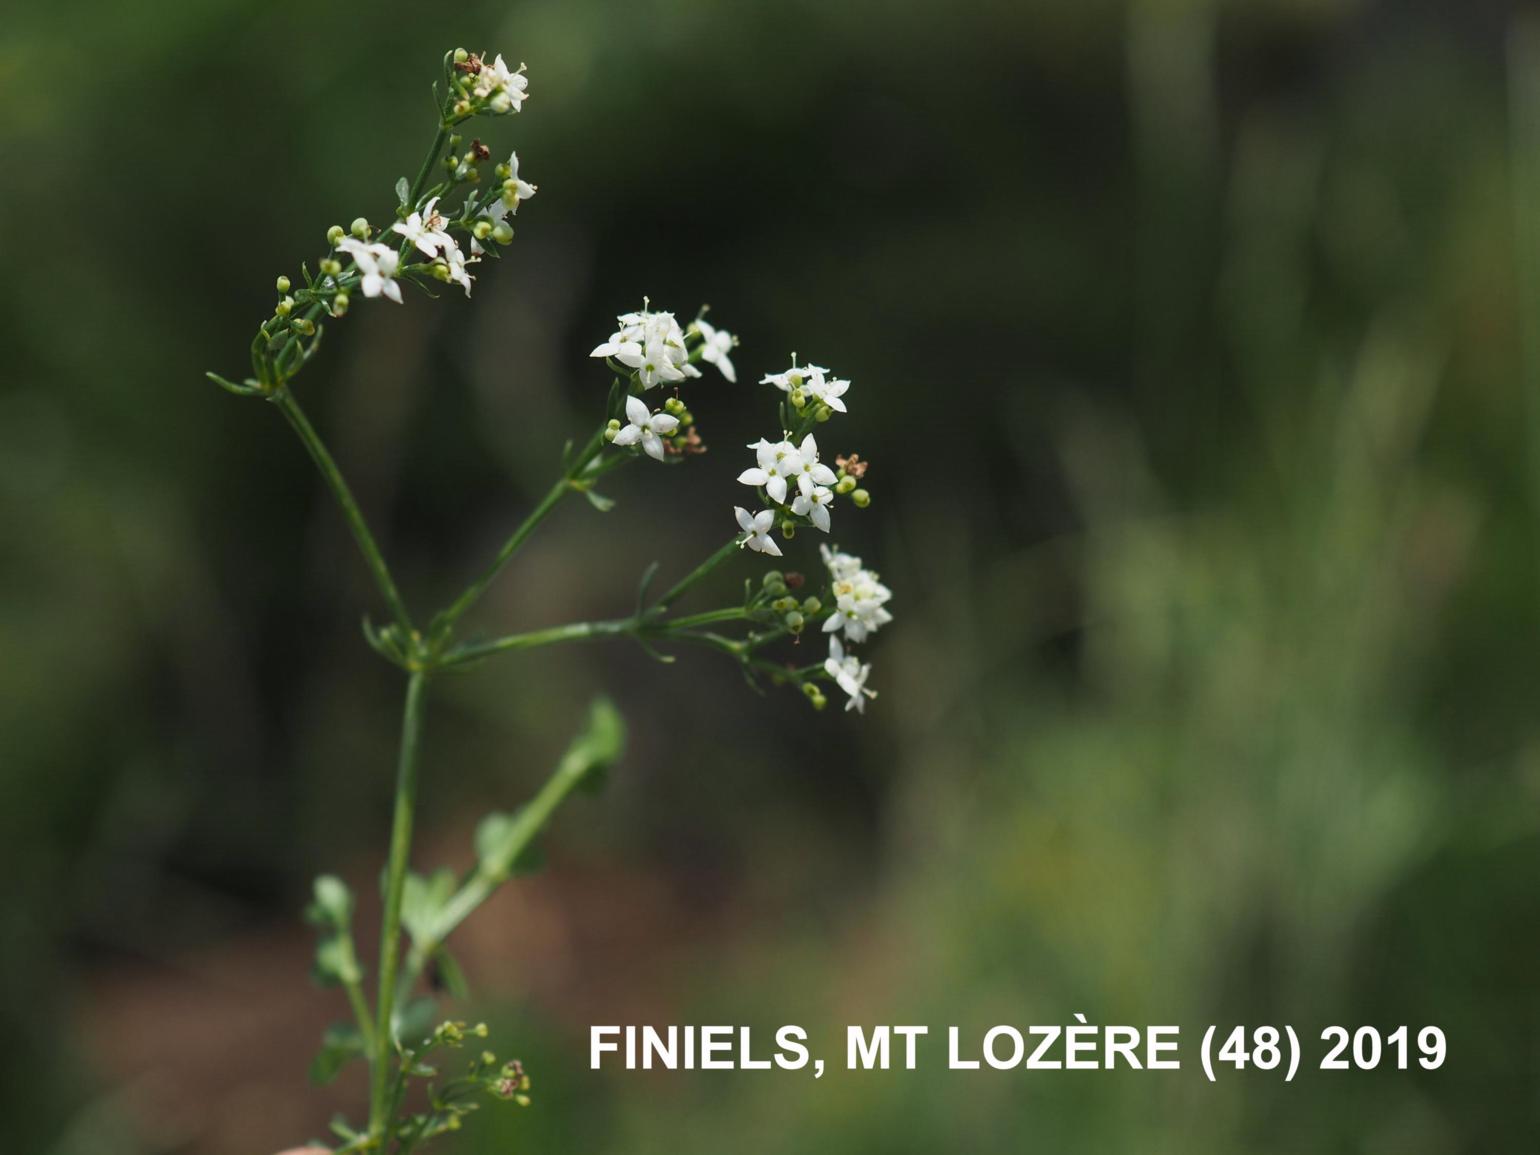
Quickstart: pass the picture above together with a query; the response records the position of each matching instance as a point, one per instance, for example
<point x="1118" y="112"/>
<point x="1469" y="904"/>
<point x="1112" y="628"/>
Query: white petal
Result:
<point x="822" y="474"/>
<point x="392" y="290"/>
<point x="776" y="488"/>
<point x="763" y="520"/>
<point x="636" y="410"/>
<point x="753" y="477"/>
<point x="652" y="445"/>
<point x="744" y="520"/>
<point x="629" y="435"/>
<point x="820" y="516"/>
<point x="663" y="423"/>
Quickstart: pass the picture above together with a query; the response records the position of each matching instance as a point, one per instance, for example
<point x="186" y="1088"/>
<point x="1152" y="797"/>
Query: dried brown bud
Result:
<point x="794" y="580"/>
<point x="852" y="465"/>
<point x="480" y="150"/>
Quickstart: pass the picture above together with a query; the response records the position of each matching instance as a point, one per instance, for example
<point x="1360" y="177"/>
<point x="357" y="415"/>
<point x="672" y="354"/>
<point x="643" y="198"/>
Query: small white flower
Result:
<point x="814" y="505"/>
<point x="756" y="529"/>
<point x="377" y="267"/>
<point x="716" y="344"/>
<point x="779" y="464"/>
<point x="522" y="189"/>
<point x="455" y="260"/>
<point x="860" y="599"/>
<point x="425" y="230"/>
<point x="653" y="345"/>
<point x="810" y="473"/>
<point x="504" y="89"/>
<point x="645" y="427"/>
<point x="848" y="671"/>
<point x="657" y="366"/>
<point x="820" y="388"/>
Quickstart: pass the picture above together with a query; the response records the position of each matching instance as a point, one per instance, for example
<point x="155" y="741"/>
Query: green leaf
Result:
<point x="334" y="960"/>
<point x="413" y="1021"/>
<point x="597" y="747"/>
<point x="422" y="902"/>
<point x="599" y="501"/>
<point x="498" y="836"/>
<point x="339" y="1046"/>
<point x="403" y="190"/>
<point x="333" y="903"/>
<point x="444" y="974"/>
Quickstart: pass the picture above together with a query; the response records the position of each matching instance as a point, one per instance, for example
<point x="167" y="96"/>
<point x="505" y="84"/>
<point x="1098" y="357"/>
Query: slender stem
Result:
<point x="710" y="617"/>
<point x="568" y="482"/>
<point x="361" y="1013"/>
<point x="395" y="879"/>
<point x="322" y="457"/>
<point x="421" y="182"/>
<point x="697" y="574"/>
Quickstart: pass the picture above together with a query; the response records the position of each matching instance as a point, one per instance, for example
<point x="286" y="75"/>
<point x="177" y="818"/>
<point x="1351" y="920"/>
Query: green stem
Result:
<point x="427" y="165"/>
<point x="395" y="879"/>
<point x="697" y="574"/>
<point x="569" y="481"/>
<point x="360" y="1007"/>
<point x="375" y="560"/>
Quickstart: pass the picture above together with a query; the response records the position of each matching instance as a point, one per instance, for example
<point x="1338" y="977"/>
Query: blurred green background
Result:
<point x="1192" y="345"/>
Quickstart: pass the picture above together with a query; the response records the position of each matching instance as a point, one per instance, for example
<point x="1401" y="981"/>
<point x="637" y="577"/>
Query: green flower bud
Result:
<point x="441" y="271"/>
<point x="482" y="229"/>
<point x="500" y="104"/>
<point x="861" y="498"/>
<point x="811" y="606"/>
<point x="461" y="56"/>
<point x="822" y="413"/>
<point x="811" y="691"/>
<point x="798" y="398"/>
<point x="331" y="267"/>
<point x="452" y="162"/>
<point x="462" y="108"/>
<point x="502" y="172"/>
<point x="502" y="233"/>
<point x="674" y="406"/>
<point x="783" y="605"/>
<point x="284" y="307"/>
<point x="773" y="578"/>
<point x="334" y="234"/>
<point x="845" y="484"/>
<point x="686" y="417"/>
<point x="471" y="174"/>
<point x="794" y="622"/>
<point x="360" y="228"/>
<point x="282" y="284"/>
<point x="788" y="529"/>
<point x="303" y="326"/>
<point x="340" y="304"/>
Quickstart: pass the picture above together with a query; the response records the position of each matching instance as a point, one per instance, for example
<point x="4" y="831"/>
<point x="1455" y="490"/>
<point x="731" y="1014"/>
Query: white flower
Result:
<point x="756" y="529"/>
<point x="657" y="366"/>
<point x="653" y="345"/>
<point x="522" y="190"/>
<point x="810" y="473"/>
<point x="860" y="599"/>
<point x="716" y="344"/>
<point x="425" y="230"/>
<point x="848" y="671"/>
<point x="455" y="261"/>
<point x="821" y="388"/>
<point x="377" y="265"/>
<point x="814" y="505"/>
<point x="645" y="427"/>
<point x="504" y="90"/>
<point x="778" y="464"/>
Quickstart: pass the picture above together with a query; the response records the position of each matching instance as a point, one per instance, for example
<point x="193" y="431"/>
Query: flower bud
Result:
<point x="811" y="606"/>
<point x="284" y="307"/>
<point x="783" y="605"/>
<point x="462" y="108"/>
<point x="461" y="56"/>
<point x="822" y="413"/>
<point x="331" y="267"/>
<point x="502" y="233"/>
<point x="334" y="234"/>
<point x="798" y="398"/>
<point x="303" y="326"/>
<point x="845" y="484"/>
<point x="794" y="622"/>
<point x="340" y="304"/>
<point x="499" y="104"/>
<point x="788" y="529"/>
<point x="686" y="417"/>
<point x="441" y="271"/>
<point x="773" y="578"/>
<point x="503" y="172"/>
<point x="814" y="695"/>
<point x="481" y="230"/>
<point x="360" y="228"/>
<point x="861" y="498"/>
<point x="673" y="406"/>
<point x="282" y="284"/>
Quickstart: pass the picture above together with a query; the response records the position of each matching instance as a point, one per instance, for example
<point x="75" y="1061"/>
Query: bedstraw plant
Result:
<point x="427" y="1073"/>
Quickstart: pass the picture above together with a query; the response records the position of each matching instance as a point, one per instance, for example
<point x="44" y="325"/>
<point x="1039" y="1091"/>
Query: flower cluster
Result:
<point x="480" y="87"/>
<point x="860" y="599"/>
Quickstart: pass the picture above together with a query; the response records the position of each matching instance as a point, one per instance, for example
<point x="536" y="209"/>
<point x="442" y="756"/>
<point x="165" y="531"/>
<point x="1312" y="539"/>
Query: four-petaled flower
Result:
<point x="716" y="344"/>
<point x="651" y="344"/>
<point x="848" y="671"/>
<point x="778" y="464"/>
<point x="814" y="505"/>
<point x="377" y="265"/>
<point x="505" y="89"/>
<point x="522" y="190"/>
<point x="455" y="261"/>
<point x="810" y="472"/>
<point x="860" y="599"/>
<point x="425" y="230"/>
<point x="820" y="388"/>
<point x="645" y="427"/>
<point x="756" y="528"/>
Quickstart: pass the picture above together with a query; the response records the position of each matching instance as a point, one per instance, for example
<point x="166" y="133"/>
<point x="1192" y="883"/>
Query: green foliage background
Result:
<point x="1188" y="342"/>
